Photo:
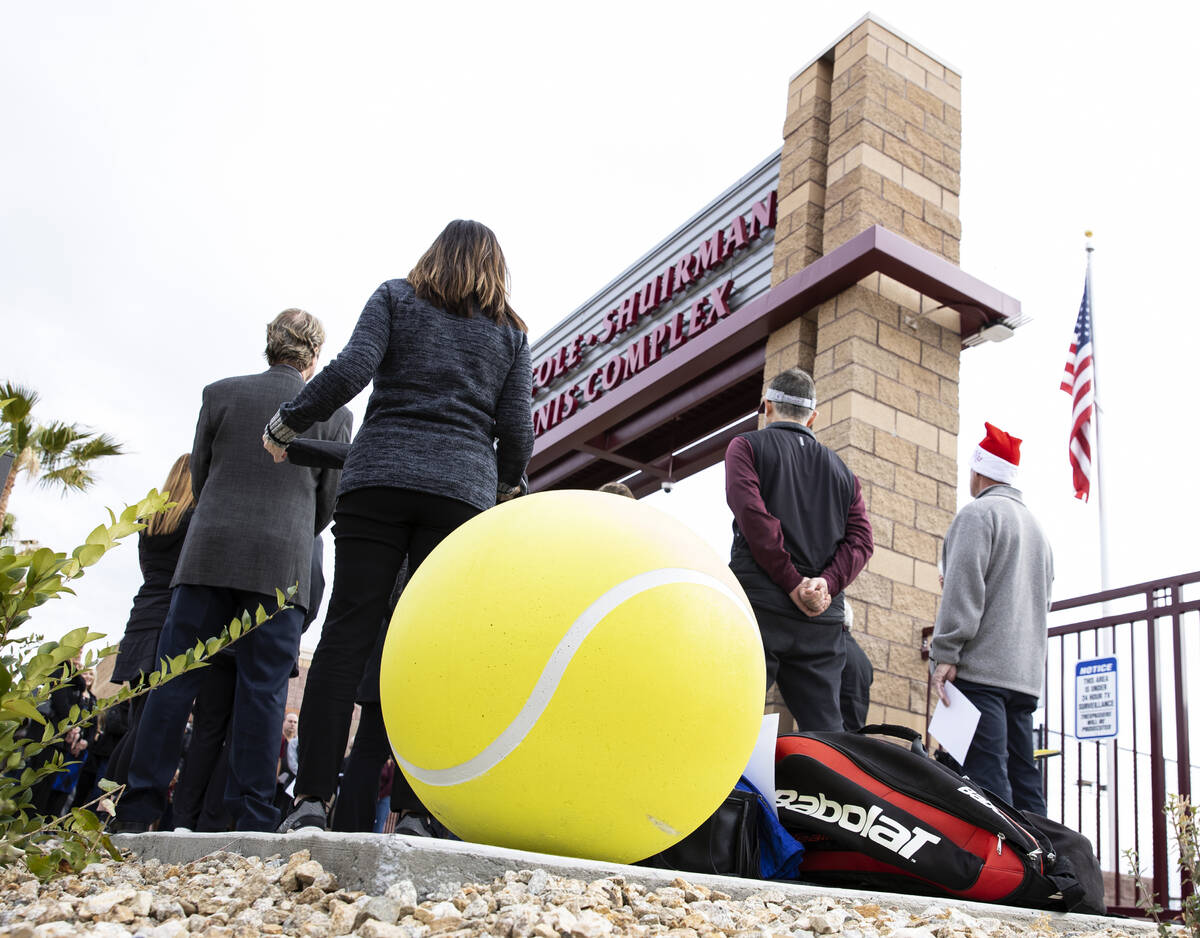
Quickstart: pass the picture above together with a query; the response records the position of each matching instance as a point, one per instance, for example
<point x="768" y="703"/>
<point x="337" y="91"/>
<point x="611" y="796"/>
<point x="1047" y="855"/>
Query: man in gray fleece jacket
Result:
<point x="990" y="635"/>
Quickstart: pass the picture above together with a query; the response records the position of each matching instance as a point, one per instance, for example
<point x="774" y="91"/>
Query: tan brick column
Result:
<point x="886" y="363"/>
<point x="799" y="228"/>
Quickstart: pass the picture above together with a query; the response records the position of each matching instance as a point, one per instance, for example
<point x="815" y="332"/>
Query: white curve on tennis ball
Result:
<point x="539" y="698"/>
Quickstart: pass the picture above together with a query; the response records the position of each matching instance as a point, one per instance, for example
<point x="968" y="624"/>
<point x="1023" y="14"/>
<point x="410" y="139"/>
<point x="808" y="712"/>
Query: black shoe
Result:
<point x="128" y="826"/>
<point x="423" y="825"/>
<point x="308" y="813"/>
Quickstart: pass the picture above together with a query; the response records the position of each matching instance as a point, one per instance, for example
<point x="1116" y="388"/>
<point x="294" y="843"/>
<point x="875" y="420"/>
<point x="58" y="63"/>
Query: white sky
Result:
<point x="173" y="175"/>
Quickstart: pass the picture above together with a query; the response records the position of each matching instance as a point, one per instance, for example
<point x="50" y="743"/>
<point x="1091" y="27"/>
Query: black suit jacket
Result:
<point x="255" y="520"/>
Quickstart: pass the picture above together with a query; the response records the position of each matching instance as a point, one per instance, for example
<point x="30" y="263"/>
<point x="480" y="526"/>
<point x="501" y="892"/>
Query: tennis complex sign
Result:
<point x="652" y="300"/>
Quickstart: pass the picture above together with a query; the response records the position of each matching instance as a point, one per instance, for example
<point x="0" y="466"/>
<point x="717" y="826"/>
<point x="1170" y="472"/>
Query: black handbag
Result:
<point x="725" y="844"/>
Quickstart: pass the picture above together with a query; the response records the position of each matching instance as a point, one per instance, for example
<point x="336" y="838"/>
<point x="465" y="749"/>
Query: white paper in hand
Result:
<point x="954" y="725"/>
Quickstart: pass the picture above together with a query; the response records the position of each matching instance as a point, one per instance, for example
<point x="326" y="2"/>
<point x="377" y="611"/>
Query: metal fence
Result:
<point x="1114" y="790"/>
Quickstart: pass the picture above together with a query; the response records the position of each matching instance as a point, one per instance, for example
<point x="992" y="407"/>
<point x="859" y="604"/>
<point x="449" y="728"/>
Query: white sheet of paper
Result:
<point x="761" y="770"/>
<point x="954" y="725"/>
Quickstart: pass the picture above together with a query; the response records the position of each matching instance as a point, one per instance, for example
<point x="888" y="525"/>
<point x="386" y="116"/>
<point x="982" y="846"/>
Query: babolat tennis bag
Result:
<point x="872" y="815"/>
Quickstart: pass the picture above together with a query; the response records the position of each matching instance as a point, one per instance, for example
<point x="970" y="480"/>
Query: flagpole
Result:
<point x="1107" y="644"/>
<point x="1097" y="449"/>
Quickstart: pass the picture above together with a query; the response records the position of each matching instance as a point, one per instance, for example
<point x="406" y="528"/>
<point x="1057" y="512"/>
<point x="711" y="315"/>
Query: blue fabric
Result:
<point x="66" y="779"/>
<point x="383" y="808"/>
<point x="779" y="853"/>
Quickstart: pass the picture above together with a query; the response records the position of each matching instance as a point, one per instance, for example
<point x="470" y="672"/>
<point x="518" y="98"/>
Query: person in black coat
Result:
<point x="448" y="430"/>
<point x="159" y="544"/>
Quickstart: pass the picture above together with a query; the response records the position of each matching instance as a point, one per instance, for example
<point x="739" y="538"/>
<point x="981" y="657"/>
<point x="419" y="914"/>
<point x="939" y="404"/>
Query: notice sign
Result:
<point x="1096" y="698"/>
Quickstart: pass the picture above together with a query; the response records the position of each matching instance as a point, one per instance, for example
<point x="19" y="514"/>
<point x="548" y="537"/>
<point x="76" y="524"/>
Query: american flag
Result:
<point x="1077" y="381"/>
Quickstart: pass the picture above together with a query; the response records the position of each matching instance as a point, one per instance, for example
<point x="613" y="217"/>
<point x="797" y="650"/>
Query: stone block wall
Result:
<point x="872" y="137"/>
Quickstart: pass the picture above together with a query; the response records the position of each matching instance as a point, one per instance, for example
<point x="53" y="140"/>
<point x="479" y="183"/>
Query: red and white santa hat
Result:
<point x="997" y="455"/>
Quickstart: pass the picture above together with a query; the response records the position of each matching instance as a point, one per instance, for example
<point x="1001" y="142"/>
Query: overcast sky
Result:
<point x="174" y="175"/>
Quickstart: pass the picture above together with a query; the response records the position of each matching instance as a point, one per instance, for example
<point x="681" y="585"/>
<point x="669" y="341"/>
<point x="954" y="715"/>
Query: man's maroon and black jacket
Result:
<point x="797" y="512"/>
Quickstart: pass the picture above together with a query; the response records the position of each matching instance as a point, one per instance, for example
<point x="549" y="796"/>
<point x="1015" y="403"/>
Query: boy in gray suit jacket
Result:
<point x="252" y="533"/>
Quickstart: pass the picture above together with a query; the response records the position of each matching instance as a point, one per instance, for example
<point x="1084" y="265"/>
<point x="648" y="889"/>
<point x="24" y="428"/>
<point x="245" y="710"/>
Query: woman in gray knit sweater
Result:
<point x="448" y="432"/>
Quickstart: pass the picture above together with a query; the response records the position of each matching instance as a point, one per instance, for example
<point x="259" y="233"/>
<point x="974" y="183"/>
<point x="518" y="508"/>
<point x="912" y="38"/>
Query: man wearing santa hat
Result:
<point x="989" y="639"/>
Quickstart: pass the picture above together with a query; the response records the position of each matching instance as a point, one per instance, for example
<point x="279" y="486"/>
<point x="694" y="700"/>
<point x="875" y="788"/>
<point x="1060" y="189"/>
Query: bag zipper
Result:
<point x="1033" y="854"/>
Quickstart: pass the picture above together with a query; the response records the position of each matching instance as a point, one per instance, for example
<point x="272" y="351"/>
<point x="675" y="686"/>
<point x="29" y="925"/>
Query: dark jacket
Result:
<point x="449" y="413"/>
<point x="797" y="512"/>
<point x="254" y="521"/>
<point x="158" y="555"/>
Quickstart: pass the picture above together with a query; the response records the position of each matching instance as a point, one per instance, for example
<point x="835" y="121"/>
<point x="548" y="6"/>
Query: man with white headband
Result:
<point x="989" y="639"/>
<point x="800" y="537"/>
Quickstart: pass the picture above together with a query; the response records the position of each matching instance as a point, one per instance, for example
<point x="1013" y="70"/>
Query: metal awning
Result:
<point x="676" y="418"/>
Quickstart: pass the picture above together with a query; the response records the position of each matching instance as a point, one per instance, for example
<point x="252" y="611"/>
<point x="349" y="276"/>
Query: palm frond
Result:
<point x="55" y="439"/>
<point x="15" y="437"/>
<point x="20" y="401"/>
<point x="95" y="448"/>
<point x="71" y="478"/>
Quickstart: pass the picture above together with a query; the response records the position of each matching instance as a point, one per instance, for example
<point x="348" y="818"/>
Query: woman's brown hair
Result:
<point x="179" y="485"/>
<point x="463" y="271"/>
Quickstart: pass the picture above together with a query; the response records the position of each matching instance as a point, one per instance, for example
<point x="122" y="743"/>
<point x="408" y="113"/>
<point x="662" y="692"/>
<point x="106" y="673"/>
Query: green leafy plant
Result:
<point x="31" y="670"/>
<point x="1184" y="818"/>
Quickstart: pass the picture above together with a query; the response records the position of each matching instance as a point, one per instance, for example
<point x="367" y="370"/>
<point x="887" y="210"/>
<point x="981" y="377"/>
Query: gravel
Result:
<point x="225" y="895"/>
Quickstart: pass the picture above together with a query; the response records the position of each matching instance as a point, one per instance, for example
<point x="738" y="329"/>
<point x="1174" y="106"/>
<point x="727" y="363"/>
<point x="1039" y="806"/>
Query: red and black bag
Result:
<point x="873" y="815"/>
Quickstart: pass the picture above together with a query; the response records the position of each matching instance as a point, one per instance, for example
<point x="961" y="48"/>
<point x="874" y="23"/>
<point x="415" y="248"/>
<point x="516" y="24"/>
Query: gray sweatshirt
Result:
<point x="998" y="572"/>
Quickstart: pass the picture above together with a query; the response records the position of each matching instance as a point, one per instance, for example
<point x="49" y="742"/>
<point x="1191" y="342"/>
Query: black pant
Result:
<point x="855" y="695"/>
<point x="374" y="531"/>
<point x="264" y="659"/>
<point x="358" y="796"/>
<point x="211" y="716"/>
<point x="806" y="659"/>
<point x="118" y="762"/>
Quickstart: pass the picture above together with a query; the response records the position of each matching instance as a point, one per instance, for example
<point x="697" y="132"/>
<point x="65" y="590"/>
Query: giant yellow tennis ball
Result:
<point x="573" y="673"/>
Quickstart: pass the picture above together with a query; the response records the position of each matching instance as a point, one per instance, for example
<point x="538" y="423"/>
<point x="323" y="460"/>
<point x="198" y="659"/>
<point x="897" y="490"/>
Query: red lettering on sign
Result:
<point x="658" y="338"/>
<point x="613" y="372"/>
<point x="574" y="352"/>
<point x="629" y="313"/>
<point x="542" y="373"/>
<point x="610" y="328"/>
<point x="651" y="295"/>
<point x="546" y="417"/>
<point x="570" y="403"/>
<point x="737" y="235"/>
<point x="643" y="301"/>
<point x="677" y="336"/>
<point x="720" y="299"/>
<point x="712" y="251"/>
<point x="591" y="392"/>
<point x="685" y="270"/>
<point x="668" y="283"/>
<point x="637" y="356"/>
<point x="762" y="215"/>
<point x="699" y="319"/>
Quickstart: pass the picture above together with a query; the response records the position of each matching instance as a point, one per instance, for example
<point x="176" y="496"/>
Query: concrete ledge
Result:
<point x="372" y="862"/>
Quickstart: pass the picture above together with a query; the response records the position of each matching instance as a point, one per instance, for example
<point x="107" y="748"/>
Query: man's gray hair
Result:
<point x="294" y="337"/>
<point x="795" y="382"/>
